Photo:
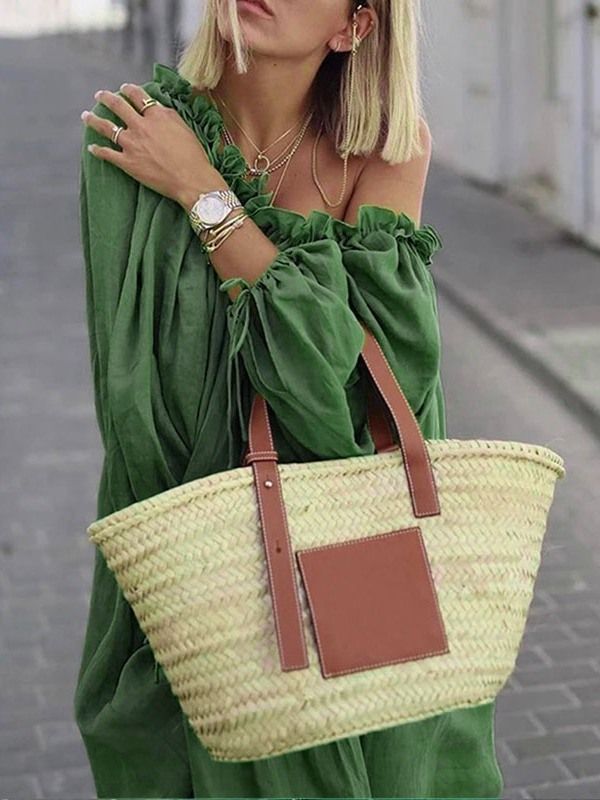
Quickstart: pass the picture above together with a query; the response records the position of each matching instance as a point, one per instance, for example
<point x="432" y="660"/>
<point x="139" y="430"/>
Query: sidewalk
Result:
<point x="525" y="282"/>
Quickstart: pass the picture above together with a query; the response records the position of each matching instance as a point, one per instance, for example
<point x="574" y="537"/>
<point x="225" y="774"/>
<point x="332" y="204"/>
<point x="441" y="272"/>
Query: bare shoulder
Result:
<point x="397" y="186"/>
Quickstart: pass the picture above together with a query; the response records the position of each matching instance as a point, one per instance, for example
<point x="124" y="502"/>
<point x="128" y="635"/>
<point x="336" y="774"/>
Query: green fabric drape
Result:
<point x="175" y="364"/>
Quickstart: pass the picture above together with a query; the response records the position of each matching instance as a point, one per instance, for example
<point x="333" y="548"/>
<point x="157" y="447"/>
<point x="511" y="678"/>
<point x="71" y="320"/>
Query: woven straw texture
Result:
<point x="191" y="563"/>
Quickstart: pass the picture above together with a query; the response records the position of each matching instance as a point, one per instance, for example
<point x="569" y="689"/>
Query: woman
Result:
<point x="182" y="336"/>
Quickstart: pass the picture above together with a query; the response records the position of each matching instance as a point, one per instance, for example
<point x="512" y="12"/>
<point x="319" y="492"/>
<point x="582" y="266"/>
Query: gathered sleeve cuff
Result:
<point x="297" y="331"/>
<point x="299" y="342"/>
<point x="297" y="328"/>
<point x="387" y="260"/>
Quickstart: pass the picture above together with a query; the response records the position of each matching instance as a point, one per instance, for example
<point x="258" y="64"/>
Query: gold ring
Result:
<point x="116" y="132"/>
<point x="149" y="101"/>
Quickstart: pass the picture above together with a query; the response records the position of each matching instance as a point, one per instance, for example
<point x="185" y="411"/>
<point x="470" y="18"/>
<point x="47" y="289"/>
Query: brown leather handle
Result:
<point x="263" y="457"/>
<point x="417" y="466"/>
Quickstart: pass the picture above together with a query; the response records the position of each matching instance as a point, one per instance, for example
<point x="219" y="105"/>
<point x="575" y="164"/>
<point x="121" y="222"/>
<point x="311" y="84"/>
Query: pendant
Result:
<point x="265" y="158"/>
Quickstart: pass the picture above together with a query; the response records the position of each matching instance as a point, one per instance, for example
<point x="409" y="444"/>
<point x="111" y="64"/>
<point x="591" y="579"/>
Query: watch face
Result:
<point x="211" y="209"/>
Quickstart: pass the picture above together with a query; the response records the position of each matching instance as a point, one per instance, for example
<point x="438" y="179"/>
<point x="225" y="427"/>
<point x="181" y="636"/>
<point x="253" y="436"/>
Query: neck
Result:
<point x="267" y="100"/>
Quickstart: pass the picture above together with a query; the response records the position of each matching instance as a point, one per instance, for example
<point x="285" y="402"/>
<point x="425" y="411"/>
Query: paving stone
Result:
<point x="584" y="765"/>
<point x="531" y="772"/>
<point x="73" y="782"/>
<point x="526" y="747"/>
<point x="587" y="692"/>
<point x="567" y="790"/>
<point x="515" y="794"/>
<point x="516" y="724"/>
<point x="531" y="659"/>
<point x="20" y="787"/>
<point x="537" y="697"/>
<point x="563" y="653"/>
<point x="572" y="674"/>
<point x="558" y="719"/>
<point x="16" y="762"/>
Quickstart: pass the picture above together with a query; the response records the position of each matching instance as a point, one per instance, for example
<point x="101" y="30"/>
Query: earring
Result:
<point x="355" y="45"/>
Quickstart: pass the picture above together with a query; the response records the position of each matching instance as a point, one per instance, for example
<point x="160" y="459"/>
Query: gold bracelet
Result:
<point x="218" y="241"/>
<point x="222" y="226"/>
<point x="213" y="245"/>
<point x="217" y="236"/>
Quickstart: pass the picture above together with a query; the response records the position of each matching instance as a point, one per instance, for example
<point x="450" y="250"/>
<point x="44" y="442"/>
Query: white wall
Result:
<point x="512" y="90"/>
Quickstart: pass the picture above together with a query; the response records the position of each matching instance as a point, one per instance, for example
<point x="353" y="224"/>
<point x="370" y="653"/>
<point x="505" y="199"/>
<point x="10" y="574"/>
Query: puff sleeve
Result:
<point x="296" y="330"/>
<point x="299" y="342"/>
<point x="387" y="260"/>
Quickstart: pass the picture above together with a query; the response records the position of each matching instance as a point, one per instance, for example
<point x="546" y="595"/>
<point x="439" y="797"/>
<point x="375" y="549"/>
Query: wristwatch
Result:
<point x="212" y="207"/>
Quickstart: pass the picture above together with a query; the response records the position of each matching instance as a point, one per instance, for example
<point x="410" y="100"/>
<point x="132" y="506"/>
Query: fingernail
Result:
<point x="84" y="114"/>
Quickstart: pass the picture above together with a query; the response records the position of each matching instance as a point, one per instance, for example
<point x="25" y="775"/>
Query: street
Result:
<point x="548" y="717"/>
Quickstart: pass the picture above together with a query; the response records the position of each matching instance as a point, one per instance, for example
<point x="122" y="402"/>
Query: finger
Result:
<point x="136" y="94"/>
<point x="116" y="157"/>
<point x="119" y="105"/>
<point x="104" y="126"/>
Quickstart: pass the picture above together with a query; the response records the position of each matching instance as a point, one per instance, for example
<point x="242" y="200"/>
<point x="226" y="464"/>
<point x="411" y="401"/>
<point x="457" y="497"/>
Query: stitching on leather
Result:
<point x="290" y="560"/>
<point x="277" y="483"/>
<point x="348" y="542"/>
<point x="316" y="623"/>
<point x="433" y="587"/>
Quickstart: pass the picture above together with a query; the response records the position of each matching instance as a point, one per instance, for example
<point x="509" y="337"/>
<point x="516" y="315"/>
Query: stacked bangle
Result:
<point x="215" y="237"/>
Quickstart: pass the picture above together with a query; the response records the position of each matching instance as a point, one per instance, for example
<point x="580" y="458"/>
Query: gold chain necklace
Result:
<point x="316" y="179"/>
<point x="270" y="168"/>
<point x="286" y="159"/>
<point x="256" y="169"/>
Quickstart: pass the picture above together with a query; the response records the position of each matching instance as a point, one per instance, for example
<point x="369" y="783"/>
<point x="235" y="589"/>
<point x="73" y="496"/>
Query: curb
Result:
<point x="525" y="347"/>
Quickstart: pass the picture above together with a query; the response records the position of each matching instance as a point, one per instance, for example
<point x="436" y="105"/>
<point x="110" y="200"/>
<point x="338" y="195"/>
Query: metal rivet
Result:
<point x="268" y="483"/>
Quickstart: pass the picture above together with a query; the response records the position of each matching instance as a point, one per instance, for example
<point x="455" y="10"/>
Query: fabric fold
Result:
<point x="293" y="333"/>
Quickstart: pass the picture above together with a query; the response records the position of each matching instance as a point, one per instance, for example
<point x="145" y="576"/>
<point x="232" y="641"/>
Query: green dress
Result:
<point x="175" y="363"/>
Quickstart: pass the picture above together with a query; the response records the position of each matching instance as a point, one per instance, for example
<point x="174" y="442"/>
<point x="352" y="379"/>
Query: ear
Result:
<point x="366" y="20"/>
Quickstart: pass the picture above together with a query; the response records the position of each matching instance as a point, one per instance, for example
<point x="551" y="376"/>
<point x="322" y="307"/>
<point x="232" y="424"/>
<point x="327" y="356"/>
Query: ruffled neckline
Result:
<point x="286" y="228"/>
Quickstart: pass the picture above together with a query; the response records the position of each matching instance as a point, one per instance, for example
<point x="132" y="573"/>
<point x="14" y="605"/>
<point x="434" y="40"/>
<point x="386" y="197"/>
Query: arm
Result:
<point x="246" y="253"/>
<point x="292" y="328"/>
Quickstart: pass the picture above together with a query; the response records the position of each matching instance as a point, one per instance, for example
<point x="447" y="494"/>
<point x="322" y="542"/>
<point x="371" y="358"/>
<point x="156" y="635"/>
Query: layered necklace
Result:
<point x="262" y="164"/>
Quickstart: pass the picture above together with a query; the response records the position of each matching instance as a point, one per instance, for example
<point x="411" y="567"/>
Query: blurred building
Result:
<point x="20" y="18"/>
<point x="513" y="98"/>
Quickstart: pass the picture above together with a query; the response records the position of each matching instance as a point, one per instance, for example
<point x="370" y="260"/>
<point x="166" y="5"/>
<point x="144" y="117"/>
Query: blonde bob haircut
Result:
<point x="385" y="113"/>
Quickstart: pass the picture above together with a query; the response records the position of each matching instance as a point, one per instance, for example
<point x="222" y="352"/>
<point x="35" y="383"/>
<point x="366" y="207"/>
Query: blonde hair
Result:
<point x="385" y="113"/>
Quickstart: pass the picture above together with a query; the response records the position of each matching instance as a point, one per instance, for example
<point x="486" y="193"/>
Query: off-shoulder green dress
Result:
<point x="175" y="364"/>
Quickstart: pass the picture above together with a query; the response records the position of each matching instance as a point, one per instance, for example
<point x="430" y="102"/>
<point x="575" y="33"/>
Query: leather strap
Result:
<point x="263" y="457"/>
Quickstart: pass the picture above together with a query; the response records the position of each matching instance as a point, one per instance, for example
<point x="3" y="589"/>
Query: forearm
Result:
<point x="246" y="253"/>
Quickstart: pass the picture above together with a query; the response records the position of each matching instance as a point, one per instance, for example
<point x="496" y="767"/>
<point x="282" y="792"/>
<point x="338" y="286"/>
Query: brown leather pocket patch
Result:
<point x="372" y="601"/>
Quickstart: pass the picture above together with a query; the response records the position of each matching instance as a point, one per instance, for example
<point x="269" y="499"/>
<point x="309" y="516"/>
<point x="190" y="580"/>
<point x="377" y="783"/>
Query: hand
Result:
<point x="157" y="148"/>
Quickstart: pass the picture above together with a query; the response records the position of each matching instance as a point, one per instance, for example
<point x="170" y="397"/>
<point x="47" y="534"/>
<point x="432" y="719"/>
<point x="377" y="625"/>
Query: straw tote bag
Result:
<point x="290" y="605"/>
